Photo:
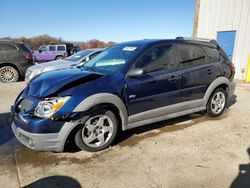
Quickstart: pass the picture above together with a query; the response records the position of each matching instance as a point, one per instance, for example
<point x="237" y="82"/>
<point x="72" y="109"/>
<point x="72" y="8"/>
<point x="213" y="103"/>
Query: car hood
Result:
<point x="53" y="65"/>
<point x="53" y="82"/>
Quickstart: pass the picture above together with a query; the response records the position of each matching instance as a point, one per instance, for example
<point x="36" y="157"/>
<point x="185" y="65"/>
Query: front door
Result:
<point x="51" y="53"/>
<point x="158" y="86"/>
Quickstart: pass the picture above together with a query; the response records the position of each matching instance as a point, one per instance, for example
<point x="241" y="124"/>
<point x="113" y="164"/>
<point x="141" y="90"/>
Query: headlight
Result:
<point x="48" y="107"/>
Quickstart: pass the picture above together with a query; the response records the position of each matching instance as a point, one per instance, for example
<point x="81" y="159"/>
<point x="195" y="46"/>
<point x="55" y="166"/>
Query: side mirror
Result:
<point x="87" y="59"/>
<point x="136" y="72"/>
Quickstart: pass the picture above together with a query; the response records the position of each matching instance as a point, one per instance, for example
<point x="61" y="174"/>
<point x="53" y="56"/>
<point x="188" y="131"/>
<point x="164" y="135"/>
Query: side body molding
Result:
<point x="101" y="98"/>
<point x="158" y="114"/>
<point x="180" y="109"/>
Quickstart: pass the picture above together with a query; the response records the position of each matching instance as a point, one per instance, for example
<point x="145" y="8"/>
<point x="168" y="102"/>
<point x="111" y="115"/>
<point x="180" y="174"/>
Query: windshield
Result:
<point x="78" y="55"/>
<point x="111" y="60"/>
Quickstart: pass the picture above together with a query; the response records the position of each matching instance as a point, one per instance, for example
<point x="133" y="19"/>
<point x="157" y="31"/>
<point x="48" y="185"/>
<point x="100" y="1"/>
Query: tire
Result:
<point x="98" y="131"/>
<point x="8" y="74"/>
<point x="217" y="103"/>
<point x="59" y="57"/>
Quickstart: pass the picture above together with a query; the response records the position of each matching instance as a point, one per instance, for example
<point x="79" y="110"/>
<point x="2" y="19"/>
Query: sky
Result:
<point x="107" y="20"/>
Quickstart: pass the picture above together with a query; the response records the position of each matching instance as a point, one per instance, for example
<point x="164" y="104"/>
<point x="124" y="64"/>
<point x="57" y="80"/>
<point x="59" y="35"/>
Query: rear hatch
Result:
<point x="27" y="53"/>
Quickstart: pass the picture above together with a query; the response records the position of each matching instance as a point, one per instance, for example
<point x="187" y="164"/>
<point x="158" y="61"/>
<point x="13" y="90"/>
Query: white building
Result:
<point x="227" y="21"/>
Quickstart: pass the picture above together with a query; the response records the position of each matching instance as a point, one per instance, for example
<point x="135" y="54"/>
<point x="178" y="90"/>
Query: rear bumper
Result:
<point x="23" y="67"/>
<point x="232" y="86"/>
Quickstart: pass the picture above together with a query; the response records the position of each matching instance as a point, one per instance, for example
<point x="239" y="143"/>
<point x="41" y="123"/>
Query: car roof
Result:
<point x="144" y="42"/>
<point x="149" y="42"/>
<point x="10" y="42"/>
<point x="93" y="49"/>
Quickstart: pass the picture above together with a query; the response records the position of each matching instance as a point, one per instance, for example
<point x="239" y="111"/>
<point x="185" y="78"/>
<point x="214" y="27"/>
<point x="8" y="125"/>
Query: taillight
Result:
<point x="232" y="67"/>
<point x="29" y="56"/>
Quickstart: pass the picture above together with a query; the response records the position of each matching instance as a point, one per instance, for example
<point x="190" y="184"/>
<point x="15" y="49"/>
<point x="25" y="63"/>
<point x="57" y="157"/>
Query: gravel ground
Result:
<point x="191" y="151"/>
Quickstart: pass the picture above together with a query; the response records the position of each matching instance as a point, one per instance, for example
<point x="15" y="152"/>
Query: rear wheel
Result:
<point x="8" y="74"/>
<point x="217" y="103"/>
<point x="98" y="131"/>
<point x="59" y="57"/>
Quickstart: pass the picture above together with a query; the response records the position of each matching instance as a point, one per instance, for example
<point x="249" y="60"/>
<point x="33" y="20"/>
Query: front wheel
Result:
<point x="98" y="132"/>
<point x="217" y="103"/>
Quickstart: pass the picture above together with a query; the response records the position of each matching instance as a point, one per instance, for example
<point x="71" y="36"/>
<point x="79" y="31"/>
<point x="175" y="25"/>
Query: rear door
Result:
<point x="198" y="69"/>
<point x="159" y="86"/>
<point x="61" y="50"/>
<point x="51" y="53"/>
<point x="8" y="53"/>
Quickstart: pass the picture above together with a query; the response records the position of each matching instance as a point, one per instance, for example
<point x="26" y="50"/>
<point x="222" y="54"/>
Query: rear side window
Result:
<point x="7" y="47"/>
<point x="61" y="48"/>
<point x="212" y="54"/>
<point x="52" y="48"/>
<point x="161" y="57"/>
<point x="25" y="48"/>
<point x="191" y="55"/>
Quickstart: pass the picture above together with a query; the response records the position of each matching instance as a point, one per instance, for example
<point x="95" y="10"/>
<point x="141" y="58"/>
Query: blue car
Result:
<point x="128" y="85"/>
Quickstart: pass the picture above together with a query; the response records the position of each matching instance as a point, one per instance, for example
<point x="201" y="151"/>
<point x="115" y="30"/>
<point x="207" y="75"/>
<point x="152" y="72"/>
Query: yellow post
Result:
<point x="248" y="70"/>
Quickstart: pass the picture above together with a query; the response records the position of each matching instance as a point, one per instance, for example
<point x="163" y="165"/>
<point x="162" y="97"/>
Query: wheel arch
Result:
<point x="11" y="65"/>
<point x="59" y="56"/>
<point x="107" y="101"/>
<point x="220" y="82"/>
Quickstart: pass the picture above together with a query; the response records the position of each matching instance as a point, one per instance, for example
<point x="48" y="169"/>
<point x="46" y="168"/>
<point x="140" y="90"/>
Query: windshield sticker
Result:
<point x="129" y="48"/>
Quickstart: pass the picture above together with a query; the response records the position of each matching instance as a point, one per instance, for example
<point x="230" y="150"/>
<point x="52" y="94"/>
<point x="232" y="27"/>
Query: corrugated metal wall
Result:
<point x="226" y="15"/>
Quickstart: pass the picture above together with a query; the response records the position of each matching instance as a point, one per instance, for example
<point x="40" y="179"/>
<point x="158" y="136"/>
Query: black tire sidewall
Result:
<point x="78" y="136"/>
<point x="59" y="57"/>
<point x="209" y="110"/>
<point x="16" y="74"/>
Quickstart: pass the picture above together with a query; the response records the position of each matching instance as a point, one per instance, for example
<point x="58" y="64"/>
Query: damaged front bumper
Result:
<point x="40" y="134"/>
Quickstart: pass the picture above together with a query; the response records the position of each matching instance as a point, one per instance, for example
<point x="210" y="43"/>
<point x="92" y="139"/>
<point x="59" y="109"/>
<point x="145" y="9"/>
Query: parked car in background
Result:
<point x="54" y="52"/>
<point x="77" y="59"/>
<point x="126" y="86"/>
<point x="15" y="58"/>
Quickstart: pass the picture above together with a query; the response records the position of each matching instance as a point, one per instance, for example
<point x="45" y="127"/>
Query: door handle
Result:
<point x="209" y="71"/>
<point x="173" y="77"/>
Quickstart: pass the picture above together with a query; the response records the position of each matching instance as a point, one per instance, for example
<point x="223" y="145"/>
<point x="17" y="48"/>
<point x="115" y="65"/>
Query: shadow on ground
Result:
<point x="231" y="101"/>
<point x="243" y="178"/>
<point x="6" y="133"/>
<point x="55" y="181"/>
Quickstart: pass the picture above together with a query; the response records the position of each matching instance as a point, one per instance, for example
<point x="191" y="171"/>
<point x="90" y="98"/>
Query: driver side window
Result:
<point x="43" y="49"/>
<point x="158" y="58"/>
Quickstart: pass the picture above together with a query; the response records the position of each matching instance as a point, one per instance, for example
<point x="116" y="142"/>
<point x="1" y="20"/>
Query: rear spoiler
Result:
<point x="197" y="39"/>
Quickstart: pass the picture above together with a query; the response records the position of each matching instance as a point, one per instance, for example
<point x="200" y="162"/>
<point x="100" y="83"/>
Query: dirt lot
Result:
<point x="191" y="151"/>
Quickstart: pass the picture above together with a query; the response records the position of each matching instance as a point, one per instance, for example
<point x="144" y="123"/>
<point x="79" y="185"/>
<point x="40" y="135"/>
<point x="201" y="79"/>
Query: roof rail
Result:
<point x="197" y="39"/>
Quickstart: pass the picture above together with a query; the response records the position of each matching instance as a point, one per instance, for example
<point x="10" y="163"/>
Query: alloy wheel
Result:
<point x="97" y="131"/>
<point x="218" y="102"/>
